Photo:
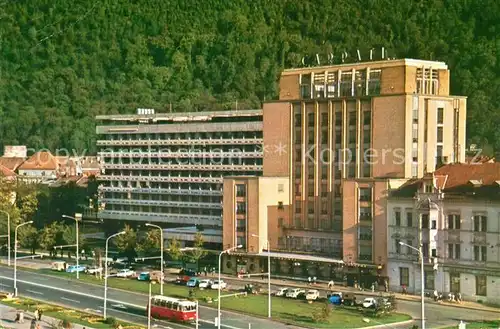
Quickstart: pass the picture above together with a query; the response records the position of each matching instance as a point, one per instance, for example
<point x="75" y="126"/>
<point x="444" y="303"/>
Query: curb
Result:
<point x="388" y="324"/>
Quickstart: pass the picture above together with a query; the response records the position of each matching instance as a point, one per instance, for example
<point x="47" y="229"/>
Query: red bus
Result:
<point x="172" y="309"/>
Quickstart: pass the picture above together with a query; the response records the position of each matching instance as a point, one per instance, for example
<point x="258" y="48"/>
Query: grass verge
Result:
<point x="63" y="314"/>
<point x="290" y="311"/>
<point x="480" y="325"/>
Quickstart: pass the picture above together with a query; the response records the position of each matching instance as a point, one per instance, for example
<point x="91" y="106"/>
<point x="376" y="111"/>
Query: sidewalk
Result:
<point x="8" y="315"/>
<point x="323" y="285"/>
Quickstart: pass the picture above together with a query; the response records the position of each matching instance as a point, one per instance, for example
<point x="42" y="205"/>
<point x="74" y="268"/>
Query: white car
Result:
<point x="205" y="284"/>
<point x="295" y="293"/>
<point x="126" y="273"/>
<point x="93" y="270"/>
<point x="312" y="294"/>
<point x="215" y="284"/>
<point x="281" y="292"/>
<point x="369" y="302"/>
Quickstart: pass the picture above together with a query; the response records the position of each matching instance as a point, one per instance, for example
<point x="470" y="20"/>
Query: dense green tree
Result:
<point x="149" y="244"/>
<point x="127" y="243"/>
<point x="198" y="252"/>
<point x="63" y="63"/>
<point x="174" y="249"/>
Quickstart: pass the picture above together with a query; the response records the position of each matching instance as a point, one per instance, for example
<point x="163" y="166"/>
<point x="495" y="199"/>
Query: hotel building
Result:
<point x="169" y="168"/>
<point x="350" y="132"/>
<point x="454" y="215"/>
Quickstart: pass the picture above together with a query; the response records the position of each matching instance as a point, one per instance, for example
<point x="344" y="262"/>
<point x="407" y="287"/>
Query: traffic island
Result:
<point x="60" y="317"/>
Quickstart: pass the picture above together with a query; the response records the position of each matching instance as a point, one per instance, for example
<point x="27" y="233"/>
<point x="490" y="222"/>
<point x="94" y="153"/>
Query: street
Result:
<point x="132" y="306"/>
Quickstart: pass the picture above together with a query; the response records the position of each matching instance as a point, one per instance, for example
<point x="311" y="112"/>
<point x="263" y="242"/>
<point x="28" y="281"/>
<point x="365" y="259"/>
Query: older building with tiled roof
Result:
<point x="12" y="163"/>
<point x="40" y="166"/>
<point x="453" y="214"/>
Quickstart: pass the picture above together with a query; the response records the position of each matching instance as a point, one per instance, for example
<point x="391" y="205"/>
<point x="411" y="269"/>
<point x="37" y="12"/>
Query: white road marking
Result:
<point x="70" y="300"/>
<point x="123" y="307"/>
<point x="102" y="298"/>
<point x="4" y="285"/>
<point x="34" y="292"/>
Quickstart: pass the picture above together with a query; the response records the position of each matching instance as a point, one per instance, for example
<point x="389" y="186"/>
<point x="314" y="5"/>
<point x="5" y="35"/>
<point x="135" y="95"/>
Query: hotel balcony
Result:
<point x="178" y="141"/>
<point x="180" y="204"/>
<point x="193" y="167"/>
<point x="184" y="155"/>
<point x="167" y="179"/>
<point x="161" y="191"/>
<point x="161" y="217"/>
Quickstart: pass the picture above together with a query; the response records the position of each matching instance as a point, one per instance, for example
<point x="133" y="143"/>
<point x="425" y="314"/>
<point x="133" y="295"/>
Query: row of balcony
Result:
<point x="180" y="204"/>
<point x="413" y="257"/>
<point x="168" y="179"/>
<point x="161" y="217"/>
<point x="169" y="191"/>
<point x="178" y="141"/>
<point x="191" y="154"/>
<point x="194" y="167"/>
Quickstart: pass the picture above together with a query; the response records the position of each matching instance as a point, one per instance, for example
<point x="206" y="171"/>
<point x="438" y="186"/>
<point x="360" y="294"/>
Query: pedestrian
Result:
<point x="373" y="287"/>
<point x="263" y="276"/>
<point x="205" y="271"/>
<point x="40" y="314"/>
<point x="33" y="324"/>
<point x="331" y="284"/>
<point x="314" y="280"/>
<point x="21" y="317"/>
<point x="36" y="314"/>
<point x="310" y="280"/>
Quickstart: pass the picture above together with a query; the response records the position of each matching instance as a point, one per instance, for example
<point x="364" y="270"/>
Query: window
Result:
<point x="365" y="213"/>
<point x="365" y="233"/>
<point x="280" y="222"/>
<point x="397" y="217"/>
<point x="440" y="115"/>
<point x="454" y="251"/>
<point x="425" y="249"/>
<point x="429" y="280"/>
<point x="241" y="208"/>
<point x="409" y="219"/>
<point x="398" y="246"/>
<point x="324" y="190"/>
<point x="367" y="118"/>
<point x="280" y="205"/>
<point x="241" y="241"/>
<point x="481" y="286"/>
<point x="281" y="188"/>
<point x="346" y="84"/>
<point x="305" y="86"/>
<point x="298" y="189"/>
<point x="324" y="207"/>
<point x="440" y="134"/>
<point x="434" y="224"/>
<point x="310" y="189"/>
<point x="434" y="252"/>
<point x="298" y="209"/>
<point x="374" y="82"/>
<point x="404" y="276"/>
<point x="298" y="120"/>
<point x="425" y="221"/>
<point x="310" y="207"/>
<point x="324" y="119"/>
<point x="454" y="222"/>
<point x="331" y="81"/>
<point x="241" y="190"/>
<point x="409" y="250"/>
<point x="319" y="85"/>
<point x="480" y="223"/>
<point x="310" y="120"/>
<point x="480" y="253"/>
<point x="365" y="194"/>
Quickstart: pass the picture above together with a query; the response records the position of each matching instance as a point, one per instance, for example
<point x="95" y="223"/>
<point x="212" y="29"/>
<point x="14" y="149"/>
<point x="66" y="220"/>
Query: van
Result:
<point x="58" y="266"/>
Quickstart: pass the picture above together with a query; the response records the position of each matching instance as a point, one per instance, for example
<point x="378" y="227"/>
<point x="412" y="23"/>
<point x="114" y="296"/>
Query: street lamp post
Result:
<point x="268" y="276"/>
<point x="15" y="254"/>
<point x="161" y="253"/>
<point x="76" y="219"/>
<point x="219" y="284"/>
<point x="8" y="235"/>
<point x="106" y="271"/>
<point x="422" y="294"/>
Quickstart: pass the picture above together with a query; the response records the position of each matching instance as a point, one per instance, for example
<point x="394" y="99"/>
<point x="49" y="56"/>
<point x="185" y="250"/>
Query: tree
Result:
<point x="150" y="242"/>
<point x="198" y="252"/>
<point x="69" y="237"/>
<point x="322" y="313"/>
<point x="28" y="237"/>
<point x="127" y="243"/>
<point x="174" y="249"/>
<point x="51" y="236"/>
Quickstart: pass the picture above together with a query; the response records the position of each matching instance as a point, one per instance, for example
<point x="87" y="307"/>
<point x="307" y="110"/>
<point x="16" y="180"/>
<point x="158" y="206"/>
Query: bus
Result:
<point x="172" y="309"/>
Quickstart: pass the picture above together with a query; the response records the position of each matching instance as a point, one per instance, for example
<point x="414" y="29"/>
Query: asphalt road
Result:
<point x="131" y="306"/>
<point x="121" y="304"/>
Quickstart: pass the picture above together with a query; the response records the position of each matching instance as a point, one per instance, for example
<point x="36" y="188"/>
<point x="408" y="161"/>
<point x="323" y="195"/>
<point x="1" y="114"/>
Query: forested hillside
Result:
<point x="63" y="62"/>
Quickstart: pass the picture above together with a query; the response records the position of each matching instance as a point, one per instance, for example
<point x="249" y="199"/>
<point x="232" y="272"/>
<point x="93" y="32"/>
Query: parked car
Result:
<point x="74" y="268"/>
<point x="216" y="284"/>
<point x="312" y="294"/>
<point x="205" y="284"/>
<point x="58" y="266"/>
<point x="93" y="270"/>
<point x="156" y="276"/>
<point x="335" y="298"/>
<point x="144" y="276"/>
<point x="193" y="282"/>
<point x="369" y="302"/>
<point x="281" y="292"/>
<point x="125" y="273"/>
<point x="295" y="293"/>
<point x="349" y="300"/>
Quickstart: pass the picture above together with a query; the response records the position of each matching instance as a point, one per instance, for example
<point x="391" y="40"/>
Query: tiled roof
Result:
<point x="11" y="163"/>
<point x="6" y="172"/>
<point x="40" y="161"/>
<point x="460" y="174"/>
<point x="479" y="159"/>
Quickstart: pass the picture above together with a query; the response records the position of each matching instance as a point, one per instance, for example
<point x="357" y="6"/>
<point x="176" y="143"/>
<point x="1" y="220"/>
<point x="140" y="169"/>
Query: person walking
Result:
<point x="331" y="284"/>
<point x="21" y="316"/>
<point x="310" y="280"/>
<point x="36" y="314"/>
<point x="40" y="312"/>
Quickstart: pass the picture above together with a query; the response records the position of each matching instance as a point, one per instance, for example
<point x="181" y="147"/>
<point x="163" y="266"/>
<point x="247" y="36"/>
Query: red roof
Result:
<point x="11" y="163"/>
<point x="40" y="161"/>
<point x="460" y="174"/>
<point x="6" y="172"/>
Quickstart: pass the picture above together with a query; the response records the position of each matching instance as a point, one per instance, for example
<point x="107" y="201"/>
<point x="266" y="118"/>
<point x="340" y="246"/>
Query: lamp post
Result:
<point x="76" y="219"/>
<point x="106" y="271"/>
<point x="161" y="253"/>
<point x="219" y="284"/>
<point x="268" y="276"/>
<point x="149" y="304"/>
<point x="422" y="295"/>
<point x="8" y="235"/>
<point x="15" y="254"/>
